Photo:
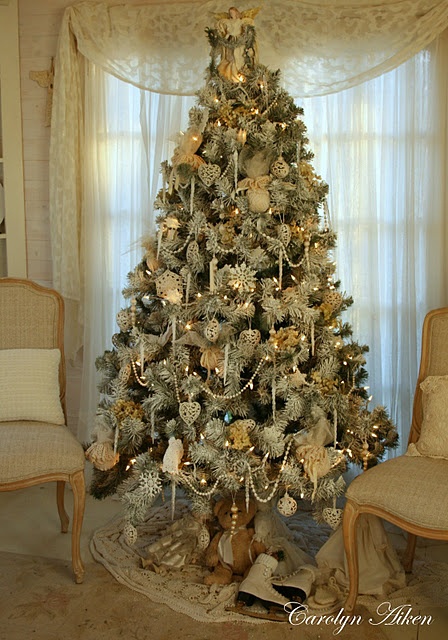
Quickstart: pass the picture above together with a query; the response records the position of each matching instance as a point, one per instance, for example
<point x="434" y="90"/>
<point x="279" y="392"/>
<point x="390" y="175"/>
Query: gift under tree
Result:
<point x="232" y="372"/>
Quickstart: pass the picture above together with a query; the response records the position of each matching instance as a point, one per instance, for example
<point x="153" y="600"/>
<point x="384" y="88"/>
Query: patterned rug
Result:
<point x="40" y="601"/>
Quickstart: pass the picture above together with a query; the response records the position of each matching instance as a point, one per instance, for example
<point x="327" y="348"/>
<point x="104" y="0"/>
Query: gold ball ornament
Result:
<point x="234" y="518"/>
<point x="287" y="506"/>
<point x="124" y="320"/>
<point x="249" y="338"/>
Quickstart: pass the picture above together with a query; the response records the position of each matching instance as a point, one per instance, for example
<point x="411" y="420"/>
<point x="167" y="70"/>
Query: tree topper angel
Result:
<point x="231" y="27"/>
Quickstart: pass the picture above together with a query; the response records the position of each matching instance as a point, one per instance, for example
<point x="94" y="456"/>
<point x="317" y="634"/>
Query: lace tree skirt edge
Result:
<point x="183" y="591"/>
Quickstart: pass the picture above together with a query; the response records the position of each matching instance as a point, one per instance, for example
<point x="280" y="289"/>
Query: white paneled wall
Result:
<point x="39" y="24"/>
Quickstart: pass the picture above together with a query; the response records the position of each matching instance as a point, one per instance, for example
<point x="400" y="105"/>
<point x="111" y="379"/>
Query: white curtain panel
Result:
<point x="382" y="148"/>
<point x="128" y="133"/>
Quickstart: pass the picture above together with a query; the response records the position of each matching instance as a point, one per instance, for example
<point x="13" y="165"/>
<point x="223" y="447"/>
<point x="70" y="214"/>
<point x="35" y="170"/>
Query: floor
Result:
<point x="31" y="528"/>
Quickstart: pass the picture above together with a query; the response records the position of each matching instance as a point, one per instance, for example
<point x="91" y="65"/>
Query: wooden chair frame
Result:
<point x="76" y="480"/>
<point x="352" y="510"/>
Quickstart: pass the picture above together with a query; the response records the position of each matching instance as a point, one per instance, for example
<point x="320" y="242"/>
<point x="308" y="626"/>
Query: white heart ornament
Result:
<point x="209" y="173"/>
<point x="189" y="411"/>
<point x="332" y="516"/>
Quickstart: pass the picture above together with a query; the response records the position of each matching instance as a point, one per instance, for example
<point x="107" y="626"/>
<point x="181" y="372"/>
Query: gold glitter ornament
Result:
<point x="284" y="234"/>
<point x="130" y="534"/>
<point x="124" y="320"/>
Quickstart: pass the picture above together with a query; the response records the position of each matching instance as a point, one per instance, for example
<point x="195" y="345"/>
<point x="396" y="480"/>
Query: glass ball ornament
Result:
<point x="287" y="506"/>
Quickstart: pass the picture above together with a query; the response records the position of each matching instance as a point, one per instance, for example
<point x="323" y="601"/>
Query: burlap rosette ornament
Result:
<point x="101" y="452"/>
<point x="185" y="154"/>
<point x="256" y="168"/>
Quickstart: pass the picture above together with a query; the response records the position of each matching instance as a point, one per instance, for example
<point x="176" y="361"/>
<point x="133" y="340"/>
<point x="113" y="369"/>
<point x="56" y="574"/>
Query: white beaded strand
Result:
<point x="206" y="494"/>
<point x="277" y="481"/>
<point x="217" y="396"/>
<point x="141" y="380"/>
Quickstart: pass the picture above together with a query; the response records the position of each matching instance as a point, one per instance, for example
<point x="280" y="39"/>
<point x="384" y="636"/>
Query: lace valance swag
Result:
<point x="321" y="47"/>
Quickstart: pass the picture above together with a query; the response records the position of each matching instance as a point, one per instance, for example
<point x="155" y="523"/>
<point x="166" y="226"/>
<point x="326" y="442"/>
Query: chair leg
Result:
<point x="60" y="489"/>
<point x="79" y="497"/>
<point x="408" y="556"/>
<point x="351" y="552"/>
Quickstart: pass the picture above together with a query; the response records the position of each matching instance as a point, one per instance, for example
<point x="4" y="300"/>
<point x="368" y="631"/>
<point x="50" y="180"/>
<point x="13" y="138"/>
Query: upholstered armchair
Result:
<point x="36" y="446"/>
<point x="410" y="490"/>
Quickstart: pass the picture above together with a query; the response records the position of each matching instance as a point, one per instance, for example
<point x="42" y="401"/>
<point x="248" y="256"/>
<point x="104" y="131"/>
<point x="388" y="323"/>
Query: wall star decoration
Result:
<point x="45" y="79"/>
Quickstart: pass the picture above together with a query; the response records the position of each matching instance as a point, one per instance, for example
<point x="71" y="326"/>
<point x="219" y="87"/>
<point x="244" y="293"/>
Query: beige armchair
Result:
<point x="35" y="444"/>
<point x="410" y="490"/>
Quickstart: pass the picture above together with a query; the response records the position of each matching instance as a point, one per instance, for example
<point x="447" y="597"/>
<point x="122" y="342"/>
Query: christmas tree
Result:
<point x="233" y="370"/>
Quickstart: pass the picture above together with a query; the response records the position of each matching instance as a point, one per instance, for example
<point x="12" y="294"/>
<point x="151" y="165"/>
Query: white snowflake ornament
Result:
<point x="168" y="283"/>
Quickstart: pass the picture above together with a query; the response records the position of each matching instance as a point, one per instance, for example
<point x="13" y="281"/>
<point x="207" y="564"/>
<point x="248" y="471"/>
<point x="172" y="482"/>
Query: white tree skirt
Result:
<point x="183" y="589"/>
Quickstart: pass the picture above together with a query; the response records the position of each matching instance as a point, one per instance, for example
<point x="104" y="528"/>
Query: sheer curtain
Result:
<point x="127" y="133"/>
<point x="381" y="147"/>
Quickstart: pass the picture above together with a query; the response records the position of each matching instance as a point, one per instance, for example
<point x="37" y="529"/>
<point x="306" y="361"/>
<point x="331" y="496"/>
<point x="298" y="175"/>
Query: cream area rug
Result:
<point x="183" y="591"/>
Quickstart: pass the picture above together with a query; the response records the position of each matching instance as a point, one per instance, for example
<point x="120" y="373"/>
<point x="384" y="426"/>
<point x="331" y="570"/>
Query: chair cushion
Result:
<point x="433" y="440"/>
<point x="412" y="488"/>
<point x="29" y="385"/>
<point x="30" y="449"/>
